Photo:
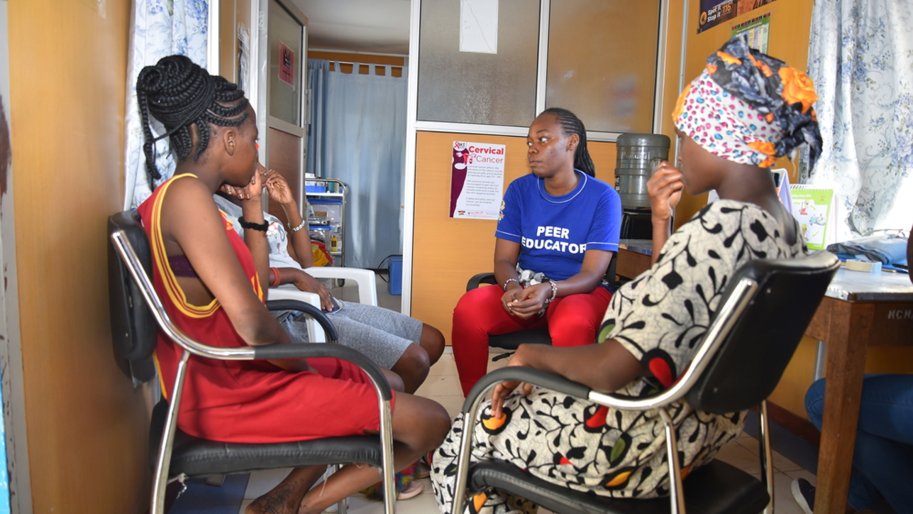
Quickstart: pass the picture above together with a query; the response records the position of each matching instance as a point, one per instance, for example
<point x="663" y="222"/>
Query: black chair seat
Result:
<point x="193" y="456"/>
<point x="716" y="488"/>
<point x="533" y="336"/>
<point x="514" y="339"/>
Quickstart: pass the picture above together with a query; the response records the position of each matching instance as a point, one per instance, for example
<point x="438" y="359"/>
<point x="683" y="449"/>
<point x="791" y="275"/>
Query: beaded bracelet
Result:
<point x="253" y="226"/>
<point x="508" y="281"/>
<point x="554" y="286"/>
<point x="299" y="226"/>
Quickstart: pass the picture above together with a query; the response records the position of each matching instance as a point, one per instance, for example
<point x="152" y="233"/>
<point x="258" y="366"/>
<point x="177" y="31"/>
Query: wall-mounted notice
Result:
<point x="286" y="64"/>
<point x="479" y="26"/>
<point x="477" y="180"/>
<point x="756" y="30"/>
<point x="714" y="12"/>
<point x="814" y="210"/>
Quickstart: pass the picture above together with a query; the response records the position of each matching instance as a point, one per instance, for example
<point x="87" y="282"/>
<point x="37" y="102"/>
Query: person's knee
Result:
<point x="814" y="402"/>
<point x="432" y="340"/>
<point x="413" y="366"/>
<point x="439" y="421"/>
<point x="424" y="423"/>
<point x="473" y="304"/>
<point x="465" y="306"/>
<point x="571" y="330"/>
<point x="394" y="380"/>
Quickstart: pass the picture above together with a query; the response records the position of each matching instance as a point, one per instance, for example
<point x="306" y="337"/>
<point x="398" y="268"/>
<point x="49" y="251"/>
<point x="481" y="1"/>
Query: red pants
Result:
<point x="572" y="321"/>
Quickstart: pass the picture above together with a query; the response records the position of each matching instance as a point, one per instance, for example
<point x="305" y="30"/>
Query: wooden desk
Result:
<point x="634" y="256"/>
<point x="859" y="310"/>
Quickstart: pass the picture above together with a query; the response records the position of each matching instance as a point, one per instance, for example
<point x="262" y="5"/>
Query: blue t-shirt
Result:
<point x="555" y="231"/>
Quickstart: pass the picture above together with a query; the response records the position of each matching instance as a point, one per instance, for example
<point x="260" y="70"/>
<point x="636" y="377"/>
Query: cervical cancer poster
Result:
<point x="477" y="180"/>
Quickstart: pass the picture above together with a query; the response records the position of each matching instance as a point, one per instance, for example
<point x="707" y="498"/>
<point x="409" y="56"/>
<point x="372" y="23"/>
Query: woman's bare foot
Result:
<point x="285" y="497"/>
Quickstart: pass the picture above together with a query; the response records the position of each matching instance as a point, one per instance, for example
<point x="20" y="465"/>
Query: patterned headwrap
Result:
<point x="748" y="107"/>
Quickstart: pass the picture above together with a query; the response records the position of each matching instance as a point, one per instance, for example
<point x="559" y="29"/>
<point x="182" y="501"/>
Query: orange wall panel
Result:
<point x="87" y="428"/>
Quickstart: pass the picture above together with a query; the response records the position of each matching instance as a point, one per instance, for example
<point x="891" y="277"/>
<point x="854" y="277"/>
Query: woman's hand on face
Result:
<point x="249" y="191"/>
<point x="277" y="187"/>
<point x="504" y="389"/>
<point x="665" y="190"/>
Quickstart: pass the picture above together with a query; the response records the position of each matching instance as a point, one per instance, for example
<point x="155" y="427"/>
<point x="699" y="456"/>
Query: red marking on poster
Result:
<point x="286" y="64"/>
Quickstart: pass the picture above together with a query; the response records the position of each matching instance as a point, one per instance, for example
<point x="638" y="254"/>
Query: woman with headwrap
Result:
<point x="744" y="110"/>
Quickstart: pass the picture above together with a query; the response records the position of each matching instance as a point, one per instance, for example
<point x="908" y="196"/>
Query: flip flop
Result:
<point x="411" y="491"/>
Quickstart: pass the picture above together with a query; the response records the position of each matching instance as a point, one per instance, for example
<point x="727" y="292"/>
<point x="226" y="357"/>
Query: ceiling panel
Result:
<point x="357" y="25"/>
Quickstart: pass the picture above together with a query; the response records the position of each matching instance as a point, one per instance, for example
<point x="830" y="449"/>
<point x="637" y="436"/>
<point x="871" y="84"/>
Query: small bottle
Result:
<point x="333" y="243"/>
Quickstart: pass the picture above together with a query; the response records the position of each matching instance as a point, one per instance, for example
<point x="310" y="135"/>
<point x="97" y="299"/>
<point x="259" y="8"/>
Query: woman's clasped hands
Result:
<point x="526" y="302"/>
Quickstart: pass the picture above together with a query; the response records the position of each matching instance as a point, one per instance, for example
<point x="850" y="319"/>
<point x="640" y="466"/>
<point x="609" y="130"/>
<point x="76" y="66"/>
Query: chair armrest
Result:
<point x="479" y="279"/>
<point x="555" y="382"/>
<point x="367" y="283"/>
<point x="313" y="312"/>
<point x="290" y="292"/>
<point x="533" y="376"/>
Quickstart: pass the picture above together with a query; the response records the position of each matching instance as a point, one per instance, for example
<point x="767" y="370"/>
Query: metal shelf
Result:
<point x="329" y="198"/>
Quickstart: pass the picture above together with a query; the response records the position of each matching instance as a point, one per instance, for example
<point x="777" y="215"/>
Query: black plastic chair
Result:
<point x="137" y="314"/>
<point x="512" y="340"/>
<point x="765" y="310"/>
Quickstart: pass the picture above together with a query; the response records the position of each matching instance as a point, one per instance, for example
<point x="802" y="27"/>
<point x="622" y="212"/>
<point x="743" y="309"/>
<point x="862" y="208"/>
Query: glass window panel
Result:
<point x="602" y="62"/>
<point x="463" y="87"/>
<point x="284" y="40"/>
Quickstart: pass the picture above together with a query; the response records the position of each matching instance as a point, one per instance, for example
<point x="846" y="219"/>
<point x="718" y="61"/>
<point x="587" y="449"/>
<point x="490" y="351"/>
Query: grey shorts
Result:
<point x="381" y="334"/>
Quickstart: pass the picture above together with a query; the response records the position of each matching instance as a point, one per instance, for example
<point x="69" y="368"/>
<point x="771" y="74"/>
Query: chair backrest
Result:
<point x="754" y="353"/>
<point x="133" y="327"/>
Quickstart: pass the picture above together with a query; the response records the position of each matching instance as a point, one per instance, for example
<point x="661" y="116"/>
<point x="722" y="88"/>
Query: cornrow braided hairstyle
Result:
<point x="571" y="124"/>
<point x="179" y="93"/>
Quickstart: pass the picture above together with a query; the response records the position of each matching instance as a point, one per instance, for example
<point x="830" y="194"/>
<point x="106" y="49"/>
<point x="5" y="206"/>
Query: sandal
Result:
<point x="411" y="491"/>
<point x="406" y="486"/>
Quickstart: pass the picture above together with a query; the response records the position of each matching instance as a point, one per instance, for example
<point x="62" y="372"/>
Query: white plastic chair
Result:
<point x="363" y="278"/>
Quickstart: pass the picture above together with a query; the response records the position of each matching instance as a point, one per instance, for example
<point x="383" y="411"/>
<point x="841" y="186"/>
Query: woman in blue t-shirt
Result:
<point x="556" y="236"/>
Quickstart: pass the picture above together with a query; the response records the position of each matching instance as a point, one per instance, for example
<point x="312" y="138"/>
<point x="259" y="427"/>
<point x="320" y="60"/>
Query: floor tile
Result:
<point x="261" y="482"/>
<point x="202" y="498"/>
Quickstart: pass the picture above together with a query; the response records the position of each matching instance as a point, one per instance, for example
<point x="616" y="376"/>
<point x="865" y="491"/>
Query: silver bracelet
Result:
<point x="299" y="226"/>
<point x="554" y="286"/>
<point x="508" y="281"/>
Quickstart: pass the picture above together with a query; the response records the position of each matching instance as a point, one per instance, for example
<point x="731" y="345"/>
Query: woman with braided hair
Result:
<point x="556" y="236"/>
<point x="210" y="284"/>
<point x="744" y="110"/>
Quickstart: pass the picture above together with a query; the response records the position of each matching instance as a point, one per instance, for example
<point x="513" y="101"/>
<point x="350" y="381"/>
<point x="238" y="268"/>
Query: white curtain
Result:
<point x="158" y="28"/>
<point x="861" y="59"/>
<point x="358" y="136"/>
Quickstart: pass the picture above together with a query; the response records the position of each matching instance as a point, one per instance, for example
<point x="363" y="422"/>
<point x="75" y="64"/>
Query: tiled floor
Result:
<point x="442" y="385"/>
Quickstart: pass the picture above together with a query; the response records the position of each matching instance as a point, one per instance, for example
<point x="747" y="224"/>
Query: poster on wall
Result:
<point x="479" y="26"/>
<point x="714" y="12"/>
<point x="286" y="64"/>
<point x="476" y="180"/>
<point x="814" y="210"/>
<point x="756" y="30"/>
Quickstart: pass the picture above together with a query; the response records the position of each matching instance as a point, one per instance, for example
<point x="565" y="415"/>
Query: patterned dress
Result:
<point x="659" y="317"/>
